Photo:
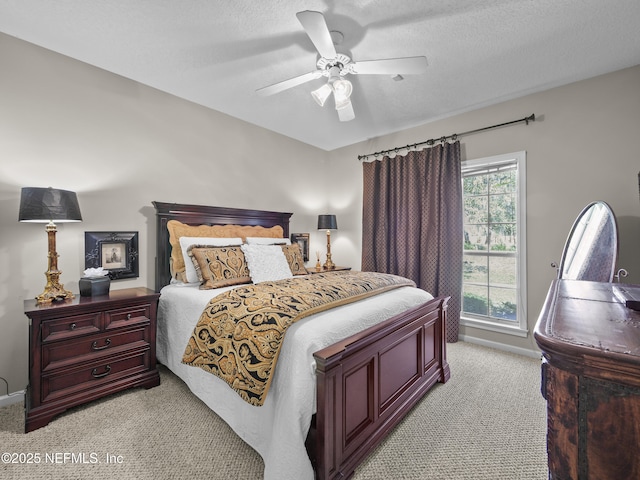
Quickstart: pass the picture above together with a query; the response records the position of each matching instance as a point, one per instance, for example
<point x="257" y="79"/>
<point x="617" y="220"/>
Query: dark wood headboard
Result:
<point x="204" y="215"/>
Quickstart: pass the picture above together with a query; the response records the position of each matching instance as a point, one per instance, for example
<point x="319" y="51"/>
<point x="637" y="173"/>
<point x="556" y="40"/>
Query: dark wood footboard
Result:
<point x="369" y="381"/>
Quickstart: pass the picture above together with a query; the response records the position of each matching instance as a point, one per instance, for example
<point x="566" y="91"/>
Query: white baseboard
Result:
<point x="15" y="397"/>
<point x="501" y="346"/>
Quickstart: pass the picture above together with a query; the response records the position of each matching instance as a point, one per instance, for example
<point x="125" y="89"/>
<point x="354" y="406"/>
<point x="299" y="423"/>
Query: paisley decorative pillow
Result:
<point x="219" y="266"/>
<point x="190" y="275"/>
<point x="295" y="259"/>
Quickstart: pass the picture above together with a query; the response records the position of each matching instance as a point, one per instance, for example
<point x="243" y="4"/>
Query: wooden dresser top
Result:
<point x="31" y="307"/>
<point x="585" y="318"/>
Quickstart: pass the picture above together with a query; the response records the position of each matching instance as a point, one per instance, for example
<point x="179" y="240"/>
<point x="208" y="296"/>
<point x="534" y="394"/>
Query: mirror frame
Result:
<point x="575" y="225"/>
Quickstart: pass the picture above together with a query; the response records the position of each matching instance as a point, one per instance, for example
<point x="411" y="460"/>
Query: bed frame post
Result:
<point x="326" y="435"/>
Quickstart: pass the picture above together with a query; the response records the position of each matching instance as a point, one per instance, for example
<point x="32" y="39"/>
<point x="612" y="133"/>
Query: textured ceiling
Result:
<point x="217" y="53"/>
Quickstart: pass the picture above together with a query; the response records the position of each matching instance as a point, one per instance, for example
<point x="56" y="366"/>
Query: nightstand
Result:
<point x="336" y="269"/>
<point x="88" y="347"/>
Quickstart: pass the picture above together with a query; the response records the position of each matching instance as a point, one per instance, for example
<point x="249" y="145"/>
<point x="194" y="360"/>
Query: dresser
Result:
<point x="591" y="380"/>
<point x="88" y="347"/>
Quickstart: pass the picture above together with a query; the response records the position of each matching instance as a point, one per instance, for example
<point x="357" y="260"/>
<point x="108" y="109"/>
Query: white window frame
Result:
<point x="518" y="328"/>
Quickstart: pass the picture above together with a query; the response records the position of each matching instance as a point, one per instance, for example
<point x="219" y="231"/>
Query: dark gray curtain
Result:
<point x="412" y="222"/>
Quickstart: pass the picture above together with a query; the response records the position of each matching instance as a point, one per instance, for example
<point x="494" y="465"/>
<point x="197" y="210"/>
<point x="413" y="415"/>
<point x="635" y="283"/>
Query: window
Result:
<point x="493" y="285"/>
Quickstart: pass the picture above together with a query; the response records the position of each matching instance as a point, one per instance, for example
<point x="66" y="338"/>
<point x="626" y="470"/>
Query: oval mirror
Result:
<point x="591" y="249"/>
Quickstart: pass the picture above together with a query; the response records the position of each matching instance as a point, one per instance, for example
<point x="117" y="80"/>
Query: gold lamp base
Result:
<point x="53" y="290"/>
<point x="328" y="264"/>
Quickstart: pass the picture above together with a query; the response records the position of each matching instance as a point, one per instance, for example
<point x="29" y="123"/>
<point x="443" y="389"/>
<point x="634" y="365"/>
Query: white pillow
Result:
<point x="266" y="263"/>
<point x="185" y="242"/>
<point x="268" y="241"/>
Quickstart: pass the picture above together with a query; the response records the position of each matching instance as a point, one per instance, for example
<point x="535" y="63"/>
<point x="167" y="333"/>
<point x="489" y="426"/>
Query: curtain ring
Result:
<point x="430" y="142"/>
<point x="443" y="140"/>
<point x="454" y="137"/>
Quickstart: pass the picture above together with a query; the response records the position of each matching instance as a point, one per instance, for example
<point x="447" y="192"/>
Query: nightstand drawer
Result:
<point x="126" y="316"/>
<point x="62" y="354"/>
<point x="91" y="375"/>
<point x="72" y="326"/>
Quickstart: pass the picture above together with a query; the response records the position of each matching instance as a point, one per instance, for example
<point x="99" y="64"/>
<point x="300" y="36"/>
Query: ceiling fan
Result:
<point x="335" y="66"/>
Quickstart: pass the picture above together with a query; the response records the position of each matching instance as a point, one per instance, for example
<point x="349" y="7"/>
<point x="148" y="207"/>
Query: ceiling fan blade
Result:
<point x="391" y="66"/>
<point x="286" y="84"/>
<point x="346" y="113"/>
<point x="317" y="30"/>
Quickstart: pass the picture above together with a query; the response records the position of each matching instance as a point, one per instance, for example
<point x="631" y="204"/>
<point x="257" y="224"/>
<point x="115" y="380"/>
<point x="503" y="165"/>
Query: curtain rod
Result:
<point x="530" y="118"/>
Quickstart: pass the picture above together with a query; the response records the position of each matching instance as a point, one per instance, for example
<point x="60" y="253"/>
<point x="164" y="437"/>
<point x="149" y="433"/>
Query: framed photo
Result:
<point x="113" y="251"/>
<point x="302" y="239"/>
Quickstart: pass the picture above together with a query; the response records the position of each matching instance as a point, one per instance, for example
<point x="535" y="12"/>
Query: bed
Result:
<point x="345" y="377"/>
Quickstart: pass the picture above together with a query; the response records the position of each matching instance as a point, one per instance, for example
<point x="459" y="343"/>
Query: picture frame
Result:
<point x="113" y="251"/>
<point x="302" y="239"/>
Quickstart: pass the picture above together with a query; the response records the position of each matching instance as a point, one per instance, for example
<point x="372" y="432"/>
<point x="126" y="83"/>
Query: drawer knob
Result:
<point x="72" y="326"/>
<point x="95" y="373"/>
<point x="128" y="316"/>
<point x="94" y="345"/>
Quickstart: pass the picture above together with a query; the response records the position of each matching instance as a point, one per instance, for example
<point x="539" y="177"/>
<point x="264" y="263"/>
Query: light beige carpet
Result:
<point x="487" y="422"/>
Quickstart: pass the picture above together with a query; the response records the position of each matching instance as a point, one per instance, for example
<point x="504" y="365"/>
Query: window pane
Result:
<point x="475" y="300"/>
<point x="475" y="185"/>
<point x="475" y="237"/>
<point x="503" y="237"/>
<point x="475" y="269"/>
<point x="475" y="210"/>
<point x="503" y="303"/>
<point x="501" y="182"/>
<point x="503" y="270"/>
<point x="503" y="208"/>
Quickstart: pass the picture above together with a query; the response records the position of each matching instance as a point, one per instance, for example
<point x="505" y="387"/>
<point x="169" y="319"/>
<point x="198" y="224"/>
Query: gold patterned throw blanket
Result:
<point x="239" y="334"/>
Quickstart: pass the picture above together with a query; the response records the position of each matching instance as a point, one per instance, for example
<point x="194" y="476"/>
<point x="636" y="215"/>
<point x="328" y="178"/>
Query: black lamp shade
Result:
<point x="327" y="222"/>
<point x="48" y="204"/>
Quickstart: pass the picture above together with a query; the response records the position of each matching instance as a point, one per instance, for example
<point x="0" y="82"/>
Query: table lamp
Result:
<point x="328" y="223"/>
<point x="46" y="205"/>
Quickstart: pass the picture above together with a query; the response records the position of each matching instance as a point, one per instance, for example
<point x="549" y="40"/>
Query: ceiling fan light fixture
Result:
<point x="321" y="94"/>
<point x="342" y="89"/>
<point x="342" y="102"/>
<point x="346" y="113"/>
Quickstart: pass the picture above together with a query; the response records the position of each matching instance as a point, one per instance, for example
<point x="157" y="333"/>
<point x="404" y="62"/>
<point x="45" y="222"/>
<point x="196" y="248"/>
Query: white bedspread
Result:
<point x="276" y="430"/>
